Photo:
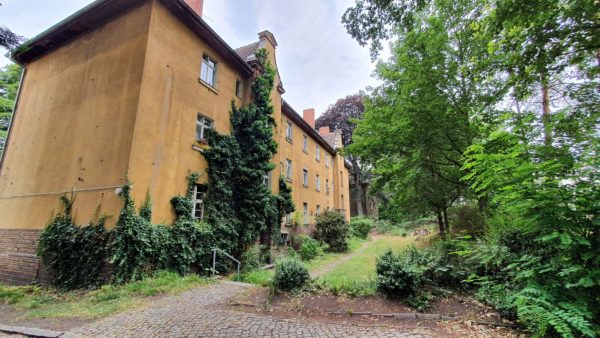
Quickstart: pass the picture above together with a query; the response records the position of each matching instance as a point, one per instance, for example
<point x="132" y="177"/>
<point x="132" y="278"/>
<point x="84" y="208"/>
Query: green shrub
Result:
<point x="332" y="229"/>
<point x="252" y="258"/>
<point x="384" y="226"/>
<point x="310" y="248"/>
<point x="397" y="276"/>
<point x="360" y="226"/>
<point x="75" y="255"/>
<point x="290" y="274"/>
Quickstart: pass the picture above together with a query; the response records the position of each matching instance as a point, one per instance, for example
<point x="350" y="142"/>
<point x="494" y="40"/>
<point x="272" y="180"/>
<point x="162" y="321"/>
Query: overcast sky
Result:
<point x="317" y="60"/>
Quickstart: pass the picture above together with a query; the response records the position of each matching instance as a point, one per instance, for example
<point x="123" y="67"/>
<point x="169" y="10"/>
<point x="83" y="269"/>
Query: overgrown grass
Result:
<point x="40" y="302"/>
<point x="264" y="277"/>
<point x="356" y="277"/>
<point x="258" y="277"/>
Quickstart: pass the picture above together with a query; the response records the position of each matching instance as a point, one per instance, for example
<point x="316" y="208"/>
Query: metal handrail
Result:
<point x="214" y="250"/>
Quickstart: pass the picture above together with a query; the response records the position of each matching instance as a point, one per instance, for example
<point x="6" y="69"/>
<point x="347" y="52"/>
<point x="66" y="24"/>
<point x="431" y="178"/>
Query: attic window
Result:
<point x="208" y="73"/>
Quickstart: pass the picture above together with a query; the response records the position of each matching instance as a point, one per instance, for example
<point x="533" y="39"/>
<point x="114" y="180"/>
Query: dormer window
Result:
<point x="208" y="73"/>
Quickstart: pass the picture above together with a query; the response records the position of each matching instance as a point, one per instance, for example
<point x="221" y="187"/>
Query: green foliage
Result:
<point x="396" y="277"/>
<point x="10" y="76"/>
<point x="237" y="222"/>
<point x="290" y="274"/>
<point x="74" y="254"/>
<point x="360" y="226"/>
<point x="458" y="118"/>
<point x="252" y="258"/>
<point x="310" y="248"/>
<point x="332" y="230"/>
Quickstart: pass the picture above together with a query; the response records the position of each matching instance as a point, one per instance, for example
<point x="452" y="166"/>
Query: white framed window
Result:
<point x="318" y="153"/>
<point x="267" y="180"/>
<point x="318" y="210"/>
<point x="327" y="186"/>
<point x="198" y="202"/>
<point x="318" y="183"/>
<point x="238" y="88"/>
<point x="305" y="143"/>
<point x="203" y="123"/>
<point x="326" y="160"/>
<point x="305" y="177"/>
<point x="208" y="72"/>
<point x="288" y="131"/>
<point x="288" y="169"/>
<point x="305" y="209"/>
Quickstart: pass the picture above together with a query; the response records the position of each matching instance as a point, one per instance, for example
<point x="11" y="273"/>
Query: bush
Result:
<point x="310" y="248"/>
<point x="332" y="229"/>
<point x="74" y="254"/>
<point x="384" y="226"/>
<point x="290" y="274"/>
<point x="360" y="226"/>
<point x="252" y="258"/>
<point x="396" y="276"/>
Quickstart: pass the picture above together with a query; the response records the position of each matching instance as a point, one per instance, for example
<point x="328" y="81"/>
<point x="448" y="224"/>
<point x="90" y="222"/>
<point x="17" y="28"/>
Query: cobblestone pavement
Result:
<point x="190" y="315"/>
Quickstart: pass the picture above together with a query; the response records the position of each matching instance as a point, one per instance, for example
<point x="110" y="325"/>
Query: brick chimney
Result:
<point x="309" y="116"/>
<point x="196" y="5"/>
<point x="324" y="130"/>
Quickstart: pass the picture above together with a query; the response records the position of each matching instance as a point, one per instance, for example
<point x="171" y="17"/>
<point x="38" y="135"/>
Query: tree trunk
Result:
<point x="446" y="223"/>
<point x="441" y="223"/>
<point x="546" y="113"/>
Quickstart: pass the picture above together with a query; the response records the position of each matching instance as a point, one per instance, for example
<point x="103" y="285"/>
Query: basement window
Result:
<point x="198" y="204"/>
<point x="203" y="123"/>
<point x="208" y="72"/>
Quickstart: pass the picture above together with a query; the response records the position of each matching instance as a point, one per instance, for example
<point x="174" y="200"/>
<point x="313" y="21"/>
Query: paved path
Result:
<point x="194" y="314"/>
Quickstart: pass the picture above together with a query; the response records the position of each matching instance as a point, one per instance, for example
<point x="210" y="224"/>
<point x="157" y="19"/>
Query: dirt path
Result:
<point x="316" y="273"/>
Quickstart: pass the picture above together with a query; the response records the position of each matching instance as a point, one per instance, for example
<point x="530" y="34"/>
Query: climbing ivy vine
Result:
<point x="254" y="211"/>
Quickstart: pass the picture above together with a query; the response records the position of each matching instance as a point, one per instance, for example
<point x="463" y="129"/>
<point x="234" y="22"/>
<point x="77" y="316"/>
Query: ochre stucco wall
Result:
<point x="74" y="125"/>
<point x="171" y="96"/>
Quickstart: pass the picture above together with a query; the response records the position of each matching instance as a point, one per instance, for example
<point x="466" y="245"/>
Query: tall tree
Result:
<point x="9" y="82"/>
<point x="342" y="116"/>
<point x="439" y="93"/>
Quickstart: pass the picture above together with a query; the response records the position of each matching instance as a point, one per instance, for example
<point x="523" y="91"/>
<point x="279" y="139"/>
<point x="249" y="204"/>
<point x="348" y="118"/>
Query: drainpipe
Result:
<point x="14" y="114"/>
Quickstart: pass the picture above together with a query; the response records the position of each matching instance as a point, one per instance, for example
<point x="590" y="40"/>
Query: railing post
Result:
<point x="238" y="275"/>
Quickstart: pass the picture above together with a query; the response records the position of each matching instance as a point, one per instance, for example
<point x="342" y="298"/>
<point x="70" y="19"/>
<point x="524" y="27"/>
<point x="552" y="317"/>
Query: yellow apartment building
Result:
<point x="125" y="89"/>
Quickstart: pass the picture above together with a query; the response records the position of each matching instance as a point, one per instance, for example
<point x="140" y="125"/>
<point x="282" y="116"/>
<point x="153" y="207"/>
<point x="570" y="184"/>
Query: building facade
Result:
<point x="124" y="89"/>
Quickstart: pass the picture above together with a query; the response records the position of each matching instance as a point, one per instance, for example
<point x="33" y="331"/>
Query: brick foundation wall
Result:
<point x="18" y="262"/>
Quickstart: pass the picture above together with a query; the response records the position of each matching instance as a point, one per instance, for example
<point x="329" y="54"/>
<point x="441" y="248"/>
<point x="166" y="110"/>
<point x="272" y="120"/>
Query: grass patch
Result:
<point x="258" y="277"/>
<point x="40" y="302"/>
<point x="356" y="277"/>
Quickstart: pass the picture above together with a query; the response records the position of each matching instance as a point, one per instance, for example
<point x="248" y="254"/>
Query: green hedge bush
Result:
<point x="290" y="274"/>
<point x="332" y="229"/>
<point x="397" y="277"/>
<point x="310" y="248"/>
<point x="360" y="226"/>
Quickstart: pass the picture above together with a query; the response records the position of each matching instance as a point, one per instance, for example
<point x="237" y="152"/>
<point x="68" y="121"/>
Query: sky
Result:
<point x="317" y="60"/>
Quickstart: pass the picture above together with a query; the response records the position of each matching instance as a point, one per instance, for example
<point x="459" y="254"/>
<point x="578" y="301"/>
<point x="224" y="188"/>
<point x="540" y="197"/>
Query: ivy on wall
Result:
<point x="254" y="211"/>
<point x="239" y="210"/>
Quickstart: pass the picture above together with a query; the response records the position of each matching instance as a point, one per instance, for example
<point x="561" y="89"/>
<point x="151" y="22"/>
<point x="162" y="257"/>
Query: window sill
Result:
<point x="207" y="85"/>
<point x="289" y="180"/>
<point x="305" y="151"/>
<point x="318" y="190"/>
<point x="316" y="159"/>
<point x="289" y="140"/>
<point x="305" y="186"/>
